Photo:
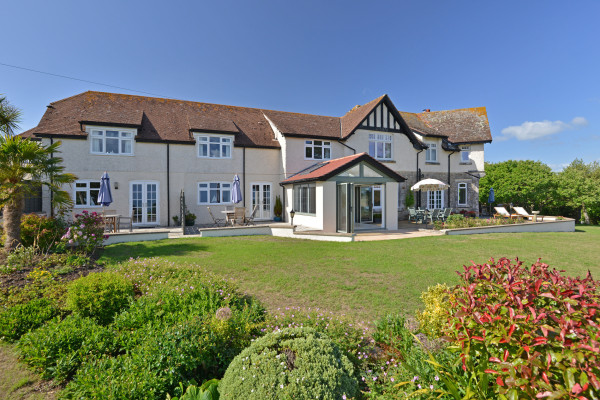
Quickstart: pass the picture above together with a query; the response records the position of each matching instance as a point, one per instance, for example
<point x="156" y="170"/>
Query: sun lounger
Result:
<point x="521" y="211"/>
<point x="501" y="212"/>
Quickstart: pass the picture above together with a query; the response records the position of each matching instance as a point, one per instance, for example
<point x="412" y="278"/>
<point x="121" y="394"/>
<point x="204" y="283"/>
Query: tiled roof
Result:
<point x="326" y="169"/>
<point x="294" y="124"/>
<point x="459" y="126"/>
<point x="355" y="116"/>
<point x="160" y="119"/>
<point x="157" y="119"/>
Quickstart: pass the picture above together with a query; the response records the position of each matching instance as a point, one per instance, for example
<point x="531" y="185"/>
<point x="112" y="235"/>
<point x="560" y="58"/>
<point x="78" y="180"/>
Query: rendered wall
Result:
<point x="186" y="170"/>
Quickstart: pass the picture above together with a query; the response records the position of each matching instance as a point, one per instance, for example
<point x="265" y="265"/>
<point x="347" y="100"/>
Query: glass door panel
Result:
<point x="151" y="204"/>
<point x="137" y="203"/>
<point x="366" y="204"/>
<point x="344" y="209"/>
<point x="144" y="203"/>
<point x="261" y="197"/>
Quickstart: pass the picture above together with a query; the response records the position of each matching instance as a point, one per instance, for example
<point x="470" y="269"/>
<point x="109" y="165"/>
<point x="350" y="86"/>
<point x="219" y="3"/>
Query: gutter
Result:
<point x="345" y="145"/>
<point x="51" y="193"/>
<point x="449" y="185"/>
<point x="168" y="189"/>
<point x="418" y="171"/>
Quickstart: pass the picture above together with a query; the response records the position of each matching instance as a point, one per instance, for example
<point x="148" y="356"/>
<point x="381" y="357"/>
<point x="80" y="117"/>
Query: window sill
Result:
<point x="215" y="158"/>
<point x="387" y="161"/>
<point x="305" y="214"/>
<point x="112" y="154"/>
<point x="465" y="163"/>
<point x="317" y="159"/>
<point x="432" y="163"/>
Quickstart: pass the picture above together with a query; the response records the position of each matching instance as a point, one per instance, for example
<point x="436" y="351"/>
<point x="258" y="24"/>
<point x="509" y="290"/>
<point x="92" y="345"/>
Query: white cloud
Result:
<point x="579" y="121"/>
<point x="534" y="130"/>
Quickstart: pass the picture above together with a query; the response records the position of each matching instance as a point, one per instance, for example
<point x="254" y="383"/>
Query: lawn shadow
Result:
<point x="124" y="251"/>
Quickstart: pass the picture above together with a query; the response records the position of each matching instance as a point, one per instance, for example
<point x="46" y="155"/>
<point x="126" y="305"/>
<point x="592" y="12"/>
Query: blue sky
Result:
<point x="535" y="65"/>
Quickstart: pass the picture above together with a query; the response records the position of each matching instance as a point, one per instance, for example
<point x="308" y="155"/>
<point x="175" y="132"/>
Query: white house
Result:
<point x="154" y="148"/>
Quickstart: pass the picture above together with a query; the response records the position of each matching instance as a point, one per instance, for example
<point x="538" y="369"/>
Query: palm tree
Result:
<point x="24" y="166"/>
<point x="9" y="117"/>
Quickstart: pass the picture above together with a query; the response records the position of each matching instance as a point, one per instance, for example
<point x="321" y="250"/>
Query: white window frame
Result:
<point x="312" y="144"/>
<point x="222" y="188"/>
<point x="88" y="190"/>
<point x="465" y="154"/>
<point x="431" y="151"/>
<point x="431" y="202"/>
<point x="206" y="139"/>
<point x="311" y="190"/>
<point x="100" y="132"/>
<point x="386" y="141"/>
<point x="465" y="187"/>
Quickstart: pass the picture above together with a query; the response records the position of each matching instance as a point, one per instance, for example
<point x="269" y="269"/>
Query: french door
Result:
<point x="261" y="197"/>
<point x="144" y="203"/>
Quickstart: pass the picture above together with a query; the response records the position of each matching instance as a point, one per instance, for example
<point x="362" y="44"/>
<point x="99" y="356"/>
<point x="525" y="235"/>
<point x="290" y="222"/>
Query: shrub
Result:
<point x="434" y="317"/>
<point x="190" y="219"/>
<point x="99" y="296"/>
<point x="20" y="258"/>
<point x="527" y="332"/>
<point x="349" y="336"/>
<point x="296" y="363"/>
<point x="398" y="365"/>
<point x="160" y="356"/>
<point x="41" y="232"/>
<point x="21" y="318"/>
<point x="86" y="232"/>
<point x="208" y="391"/>
<point x="58" y="348"/>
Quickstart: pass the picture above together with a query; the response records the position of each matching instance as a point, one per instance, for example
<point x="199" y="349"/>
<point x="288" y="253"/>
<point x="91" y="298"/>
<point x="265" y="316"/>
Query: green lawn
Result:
<point x="363" y="279"/>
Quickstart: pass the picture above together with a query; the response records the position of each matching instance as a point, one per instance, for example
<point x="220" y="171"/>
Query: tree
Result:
<point x="526" y="183"/>
<point x="579" y="188"/>
<point x="9" y="117"/>
<point x="24" y="166"/>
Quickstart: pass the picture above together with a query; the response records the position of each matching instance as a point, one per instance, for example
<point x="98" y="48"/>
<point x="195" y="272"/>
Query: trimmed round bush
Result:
<point x="293" y="363"/>
<point x="99" y="296"/>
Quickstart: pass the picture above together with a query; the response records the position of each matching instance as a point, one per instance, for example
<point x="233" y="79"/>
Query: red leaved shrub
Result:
<point x="527" y="332"/>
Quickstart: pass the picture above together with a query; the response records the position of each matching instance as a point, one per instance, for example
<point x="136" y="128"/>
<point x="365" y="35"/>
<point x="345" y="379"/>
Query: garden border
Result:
<point x="564" y="225"/>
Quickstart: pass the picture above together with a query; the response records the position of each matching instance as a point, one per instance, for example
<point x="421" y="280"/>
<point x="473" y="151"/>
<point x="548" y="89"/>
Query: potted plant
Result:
<point x="176" y="220"/>
<point x="190" y="219"/>
<point x="278" y="209"/>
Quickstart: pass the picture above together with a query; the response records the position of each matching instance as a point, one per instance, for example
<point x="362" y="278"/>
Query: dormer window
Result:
<point x="465" y="153"/>
<point x="431" y="154"/>
<point x="111" y="141"/>
<point x="214" y="146"/>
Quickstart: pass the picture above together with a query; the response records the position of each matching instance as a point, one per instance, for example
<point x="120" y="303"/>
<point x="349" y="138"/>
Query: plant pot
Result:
<point x="277" y="219"/>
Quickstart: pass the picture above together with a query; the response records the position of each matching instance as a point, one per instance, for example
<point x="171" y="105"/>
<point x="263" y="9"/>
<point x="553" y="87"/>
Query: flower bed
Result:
<point x="457" y="221"/>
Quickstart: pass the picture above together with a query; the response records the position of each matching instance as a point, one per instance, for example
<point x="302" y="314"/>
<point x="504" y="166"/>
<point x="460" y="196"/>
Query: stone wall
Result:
<point x="455" y="179"/>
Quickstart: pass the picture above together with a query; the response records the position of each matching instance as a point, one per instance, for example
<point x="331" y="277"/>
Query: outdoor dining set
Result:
<point x="232" y="217"/>
<point x="428" y="216"/>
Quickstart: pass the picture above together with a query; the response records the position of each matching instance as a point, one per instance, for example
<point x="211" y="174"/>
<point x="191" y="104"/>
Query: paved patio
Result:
<point x="406" y="230"/>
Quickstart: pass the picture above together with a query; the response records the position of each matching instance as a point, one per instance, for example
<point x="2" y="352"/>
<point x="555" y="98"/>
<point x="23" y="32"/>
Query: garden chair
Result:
<point x="412" y="214"/>
<point x="110" y="220"/>
<point x="443" y="216"/>
<point x="432" y="216"/>
<point x="216" y="221"/>
<point x="239" y="215"/>
<point x="250" y="219"/>
<point x="127" y="221"/>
